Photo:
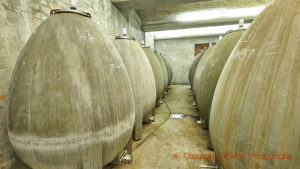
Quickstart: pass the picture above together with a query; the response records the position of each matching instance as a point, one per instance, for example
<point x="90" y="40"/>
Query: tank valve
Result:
<point x="194" y="104"/>
<point x="151" y="118"/>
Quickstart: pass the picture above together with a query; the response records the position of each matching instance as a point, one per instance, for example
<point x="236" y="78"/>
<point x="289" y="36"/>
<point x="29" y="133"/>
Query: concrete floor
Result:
<point x="172" y="143"/>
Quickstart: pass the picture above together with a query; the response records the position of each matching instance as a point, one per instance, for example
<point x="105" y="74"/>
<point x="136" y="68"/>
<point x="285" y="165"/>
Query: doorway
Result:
<point x="199" y="47"/>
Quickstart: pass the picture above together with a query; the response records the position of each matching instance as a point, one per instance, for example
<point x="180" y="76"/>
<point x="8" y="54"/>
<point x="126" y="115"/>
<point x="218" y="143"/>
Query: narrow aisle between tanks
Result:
<point x="172" y="143"/>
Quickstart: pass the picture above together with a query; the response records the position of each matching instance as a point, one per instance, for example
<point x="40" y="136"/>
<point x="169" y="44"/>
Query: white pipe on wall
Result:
<point x="196" y="32"/>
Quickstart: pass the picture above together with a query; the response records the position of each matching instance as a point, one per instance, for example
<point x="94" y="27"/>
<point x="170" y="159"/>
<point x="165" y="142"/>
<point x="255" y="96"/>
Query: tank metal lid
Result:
<point x="59" y="11"/>
<point x="231" y="31"/>
<point x="125" y="37"/>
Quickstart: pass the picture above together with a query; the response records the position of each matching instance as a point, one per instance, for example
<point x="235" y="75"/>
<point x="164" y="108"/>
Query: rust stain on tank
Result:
<point x="2" y="97"/>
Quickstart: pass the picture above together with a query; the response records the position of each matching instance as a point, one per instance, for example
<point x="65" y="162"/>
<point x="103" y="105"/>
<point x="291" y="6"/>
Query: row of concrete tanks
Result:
<point x="194" y="65"/>
<point x="162" y="72"/>
<point x="169" y="69"/>
<point x="254" y="113"/>
<point x="76" y="99"/>
<point x="208" y="72"/>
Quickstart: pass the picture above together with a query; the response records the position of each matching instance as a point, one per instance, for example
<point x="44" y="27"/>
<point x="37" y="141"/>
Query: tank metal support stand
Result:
<point x="125" y="156"/>
<point x="199" y="122"/>
<point x="92" y="157"/>
<point x="151" y="118"/>
<point x="161" y="102"/>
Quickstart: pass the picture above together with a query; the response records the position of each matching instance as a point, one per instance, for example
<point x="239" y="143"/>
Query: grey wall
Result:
<point x="180" y="54"/>
<point x="19" y="18"/>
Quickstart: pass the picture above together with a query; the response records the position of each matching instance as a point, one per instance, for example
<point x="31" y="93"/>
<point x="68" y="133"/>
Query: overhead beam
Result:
<point x="144" y="4"/>
<point x="200" y="14"/>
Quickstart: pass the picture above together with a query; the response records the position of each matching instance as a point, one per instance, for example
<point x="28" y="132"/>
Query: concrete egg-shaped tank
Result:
<point x="256" y="107"/>
<point x="163" y="68"/>
<point x="71" y="104"/>
<point x="196" y="83"/>
<point x="158" y="73"/>
<point x="142" y="78"/>
<point x="209" y="71"/>
<point x="194" y="66"/>
<point x="169" y="69"/>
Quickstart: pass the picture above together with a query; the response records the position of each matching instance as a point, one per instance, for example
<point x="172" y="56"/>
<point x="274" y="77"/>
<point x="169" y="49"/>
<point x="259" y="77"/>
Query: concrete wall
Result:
<point x="149" y="39"/>
<point x="180" y="54"/>
<point x="19" y="18"/>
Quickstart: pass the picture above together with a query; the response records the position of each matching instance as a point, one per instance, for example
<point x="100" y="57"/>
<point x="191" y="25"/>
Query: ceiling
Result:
<point x="158" y="15"/>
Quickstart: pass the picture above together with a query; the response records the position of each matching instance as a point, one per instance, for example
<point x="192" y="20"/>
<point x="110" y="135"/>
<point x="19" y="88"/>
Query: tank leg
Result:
<point x="129" y="151"/>
<point x="205" y="125"/>
<point x="163" y="95"/>
<point x="138" y="127"/>
<point x="153" y="111"/>
<point x="92" y="157"/>
<point x="158" y="103"/>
